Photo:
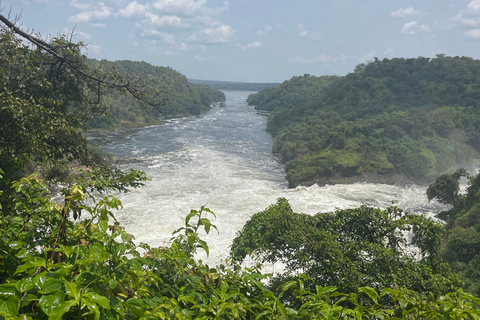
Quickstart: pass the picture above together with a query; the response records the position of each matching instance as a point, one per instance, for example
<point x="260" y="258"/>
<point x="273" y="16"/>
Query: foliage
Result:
<point x="229" y="85"/>
<point x="294" y="92"/>
<point x="349" y="248"/>
<point x="461" y="247"/>
<point x="47" y="91"/>
<point x="446" y="188"/>
<point x="415" y="117"/>
<point x="182" y="98"/>
<point x="58" y="264"/>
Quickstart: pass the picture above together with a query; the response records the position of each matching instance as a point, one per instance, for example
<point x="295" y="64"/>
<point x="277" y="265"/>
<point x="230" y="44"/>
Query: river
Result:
<point x="222" y="159"/>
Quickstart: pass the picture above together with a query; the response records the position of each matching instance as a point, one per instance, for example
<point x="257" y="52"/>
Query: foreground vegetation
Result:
<point x="412" y="117"/>
<point x="53" y="267"/>
<point x="64" y="256"/>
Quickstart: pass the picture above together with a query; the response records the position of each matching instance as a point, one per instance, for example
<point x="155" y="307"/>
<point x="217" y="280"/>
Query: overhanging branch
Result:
<point x="134" y="86"/>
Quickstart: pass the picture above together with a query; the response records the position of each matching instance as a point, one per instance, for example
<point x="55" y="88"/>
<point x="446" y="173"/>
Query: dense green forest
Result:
<point x="414" y="118"/>
<point x="462" y="246"/>
<point x="229" y="85"/>
<point x="179" y="96"/>
<point x="63" y="255"/>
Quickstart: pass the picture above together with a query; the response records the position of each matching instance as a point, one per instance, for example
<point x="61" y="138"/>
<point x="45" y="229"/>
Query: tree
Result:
<point x="461" y="245"/>
<point x="446" y="188"/>
<point x="47" y="91"/>
<point x="349" y="248"/>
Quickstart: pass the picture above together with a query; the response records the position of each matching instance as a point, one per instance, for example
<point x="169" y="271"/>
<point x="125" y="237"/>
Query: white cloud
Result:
<point x="473" y="7"/>
<point x="368" y="57"/>
<point x="472" y="34"/>
<point x="94" y="48"/>
<point x="469" y="17"/>
<point x="412" y="27"/>
<point x="153" y="34"/>
<point x="165" y="21"/>
<point x="319" y="59"/>
<point x="305" y="33"/>
<point x="98" y="12"/>
<point x="252" y="45"/>
<point x="132" y="10"/>
<point x="268" y="29"/>
<point x="389" y="52"/>
<point x="188" y="7"/>
<point x="221" y="34"/>
<point x="405" y="13"/>
<point x="98" y="25"/>
<point x="80" y="6"/>
<point x="460" y="21"/>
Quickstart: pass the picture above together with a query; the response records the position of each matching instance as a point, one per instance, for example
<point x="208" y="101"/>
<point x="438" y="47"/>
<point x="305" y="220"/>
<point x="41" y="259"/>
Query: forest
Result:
<point x="389" y="120"/>
<point x="63" y="255"/>
<point x="230" y="85"/>
<point x="184" y="98"/>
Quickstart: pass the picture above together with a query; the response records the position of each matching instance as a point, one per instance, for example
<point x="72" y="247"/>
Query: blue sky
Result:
<point x="258" y="40"/>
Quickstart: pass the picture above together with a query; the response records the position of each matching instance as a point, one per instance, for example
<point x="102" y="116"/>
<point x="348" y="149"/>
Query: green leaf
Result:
<point x="288" y="285"/>
<point x="51" y="286"/>
<point x="103" y="224"/>
<point x="204" y="245"/>
<point x="206" y="223"/>
<point x="321" y="291"/>
<point x="61" y="309"/>
<point x="25" y="284"/>
<point x="36" y="262"/>
<point x="72" y="290"/>
<point x="7" y="290"/>
<point x="112" y="283"/>
<point x="91" y="305"/>
<point x="98" y="299"/>
<point x="190" y="216"/>
<point x="370" y="292"/>
<point x="116" y="305"/>
<point x="9" y="306"/>
<point x="49" y="302"/>
<point x="17" y="245"/>
<point x="137" y="306"/>
<point x="40" y="279"/>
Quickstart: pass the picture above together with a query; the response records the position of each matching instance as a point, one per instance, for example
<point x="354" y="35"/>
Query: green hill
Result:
<point x="231" y="85"/>
<point x="181" y="97"/>
<point x="408" y="118"/>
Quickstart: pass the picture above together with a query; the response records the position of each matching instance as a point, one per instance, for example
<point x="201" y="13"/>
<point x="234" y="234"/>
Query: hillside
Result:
<point x="181" y="97"/>
<point x="229" y="85"/>
<point x="408" y="119"/>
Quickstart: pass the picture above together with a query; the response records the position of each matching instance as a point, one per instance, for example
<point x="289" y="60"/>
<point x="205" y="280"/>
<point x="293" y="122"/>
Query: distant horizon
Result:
<point x="228" y="81"/>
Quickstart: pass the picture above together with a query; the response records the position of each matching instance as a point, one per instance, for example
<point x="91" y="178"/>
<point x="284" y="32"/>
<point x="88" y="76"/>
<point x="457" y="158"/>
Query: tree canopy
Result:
<point x="349" y="248"/>
<point x="417" y="118"/>
<point x="181" y="98"/>
<point x="461" y="248"/>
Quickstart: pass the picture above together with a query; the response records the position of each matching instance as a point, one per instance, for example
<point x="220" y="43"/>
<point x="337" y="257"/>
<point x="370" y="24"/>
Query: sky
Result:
<point x="258" y="40"/>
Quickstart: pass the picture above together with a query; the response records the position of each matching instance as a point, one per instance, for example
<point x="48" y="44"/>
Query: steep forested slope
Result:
<point x="414" y="117"/>
<point x="181" y="98"/>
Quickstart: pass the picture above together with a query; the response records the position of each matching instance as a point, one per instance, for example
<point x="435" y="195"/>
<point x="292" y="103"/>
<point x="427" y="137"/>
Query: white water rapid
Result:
<point x="223" y="160"/>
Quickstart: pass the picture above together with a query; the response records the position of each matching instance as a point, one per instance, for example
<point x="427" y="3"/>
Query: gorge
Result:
<point x="223" y="159"/>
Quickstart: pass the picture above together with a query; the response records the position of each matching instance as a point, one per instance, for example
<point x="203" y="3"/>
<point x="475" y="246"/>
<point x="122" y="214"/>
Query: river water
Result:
<point x="222" y="159"/>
